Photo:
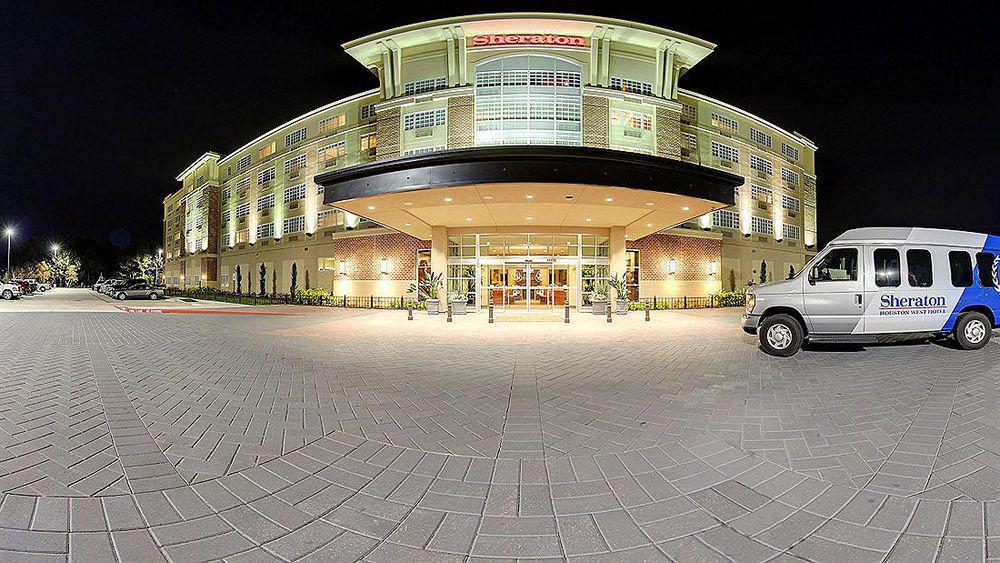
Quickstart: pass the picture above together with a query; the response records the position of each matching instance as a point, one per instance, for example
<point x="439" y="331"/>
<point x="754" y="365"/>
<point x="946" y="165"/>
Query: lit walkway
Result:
<point x="354" y="434"/>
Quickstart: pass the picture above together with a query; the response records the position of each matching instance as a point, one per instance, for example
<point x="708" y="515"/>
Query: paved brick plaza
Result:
<point x="350" y="434"/>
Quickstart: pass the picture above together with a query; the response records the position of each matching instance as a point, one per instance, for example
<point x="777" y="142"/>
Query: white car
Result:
<point x="9" y="290"/>
<point x="875" y="281"/>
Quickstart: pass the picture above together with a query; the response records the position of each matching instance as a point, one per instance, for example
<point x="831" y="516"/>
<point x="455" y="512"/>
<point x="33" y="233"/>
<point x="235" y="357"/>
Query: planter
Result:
<point x="433" y="306"/>
<point x="458" y="307"/>
<point x="622" y="306"/>
<point x="600" y="307"/>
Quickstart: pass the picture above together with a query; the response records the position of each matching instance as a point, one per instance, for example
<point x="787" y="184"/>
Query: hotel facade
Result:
<point x="525" y="157"/>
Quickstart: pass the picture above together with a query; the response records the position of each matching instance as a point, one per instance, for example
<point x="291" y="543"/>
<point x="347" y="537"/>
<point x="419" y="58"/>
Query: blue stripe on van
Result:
<point x="976" y="295"/>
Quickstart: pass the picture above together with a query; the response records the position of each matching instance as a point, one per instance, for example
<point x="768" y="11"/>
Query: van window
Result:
<point x="840" y="264"/>
<point x="985" y="262"/>
<point x="961" y="268"/>
<point x="886" y="267"/>
<point x="918" y="266"/>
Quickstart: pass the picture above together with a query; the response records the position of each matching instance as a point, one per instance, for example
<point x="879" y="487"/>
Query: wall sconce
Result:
<point x="343" y="267"/>
<point x="384" y="266"/>
<point x="713" y="268"/>
<point x="671" y="266"/>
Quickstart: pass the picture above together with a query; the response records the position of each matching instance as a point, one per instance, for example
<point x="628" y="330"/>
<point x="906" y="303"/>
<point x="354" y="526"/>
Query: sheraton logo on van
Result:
<point x="891" y="305"/>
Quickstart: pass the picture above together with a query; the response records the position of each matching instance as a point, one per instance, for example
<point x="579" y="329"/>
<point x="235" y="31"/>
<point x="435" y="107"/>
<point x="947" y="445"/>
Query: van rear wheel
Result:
<point x="973" y="330"/>
<point x="781" y="335"/>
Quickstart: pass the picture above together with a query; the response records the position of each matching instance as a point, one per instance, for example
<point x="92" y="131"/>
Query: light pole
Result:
<point x="159" y="265"/>
<point x="55" y="256"/>
<point x="9" y="231"/>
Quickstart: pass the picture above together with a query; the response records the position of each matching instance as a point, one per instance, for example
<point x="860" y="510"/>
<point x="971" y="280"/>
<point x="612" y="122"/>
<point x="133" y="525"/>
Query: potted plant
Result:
<point x="599" y="298"/>
<point x="620" y="285"/>
<point x="427" y="290"/>
<point x="458" y="303"/>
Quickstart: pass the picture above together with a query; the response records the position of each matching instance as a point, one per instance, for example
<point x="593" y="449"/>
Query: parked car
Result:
<point x="9" y="290"/>
<point x="27" y="286"/>
<point x="106" y="285"/>
<point x="44" y="286"/>
<point x="137" y="289"/>
<point x="875" y="281"/>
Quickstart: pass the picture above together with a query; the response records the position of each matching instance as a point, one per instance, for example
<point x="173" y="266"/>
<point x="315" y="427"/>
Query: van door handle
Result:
<point x="857" y="299"/>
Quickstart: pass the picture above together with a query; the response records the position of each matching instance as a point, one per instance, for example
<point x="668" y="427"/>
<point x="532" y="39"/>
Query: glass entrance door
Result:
<point x="523" y="286"/>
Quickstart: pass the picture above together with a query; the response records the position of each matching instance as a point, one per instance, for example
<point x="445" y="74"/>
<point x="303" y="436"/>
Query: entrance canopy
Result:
<point x="529" y="186"/>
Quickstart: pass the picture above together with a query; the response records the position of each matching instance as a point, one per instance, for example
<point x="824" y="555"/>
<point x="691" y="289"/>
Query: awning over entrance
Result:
<point x="529" y="186"/>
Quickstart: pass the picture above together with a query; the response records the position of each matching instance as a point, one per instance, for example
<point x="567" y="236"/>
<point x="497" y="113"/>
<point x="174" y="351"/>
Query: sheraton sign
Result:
<point x="528" y="39"/>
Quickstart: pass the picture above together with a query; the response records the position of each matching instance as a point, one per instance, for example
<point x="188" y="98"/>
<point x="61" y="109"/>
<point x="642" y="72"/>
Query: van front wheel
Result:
<point x="973" y="330"/>
<point x="780" y="335"/>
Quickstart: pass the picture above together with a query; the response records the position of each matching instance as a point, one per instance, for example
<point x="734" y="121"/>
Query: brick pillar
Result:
<point x="668" y="132"/>
<point x="461" y="124"/>
<point x="617" y="250"/>
<point x="387" y="128"/>
<point x="595" y="121"/>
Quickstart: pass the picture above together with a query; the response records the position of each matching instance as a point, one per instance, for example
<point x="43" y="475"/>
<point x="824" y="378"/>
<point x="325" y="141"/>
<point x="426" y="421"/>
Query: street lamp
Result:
<point x="159" y="264"/>
<point x="55" y="252"/>
<point x="9" y="231"/>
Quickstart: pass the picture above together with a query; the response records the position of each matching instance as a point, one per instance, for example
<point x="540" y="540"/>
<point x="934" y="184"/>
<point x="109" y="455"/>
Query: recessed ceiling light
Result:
<point x="371" y="208"/>
<point x="406" y="224"/>
<point x="447" y="198"/>
<point x="407" y="203"/>
<point x="609" y="199"/>
<point x="589" y="219"/>
<point x="685" y="208"/>
<point x="530" y="196"/>
<point x="649" y="224"/>
<point x="649" y="204"/>
<point x="528" y="217"/>
<point x="468" y="219"/>
<point x="487" y="197"/>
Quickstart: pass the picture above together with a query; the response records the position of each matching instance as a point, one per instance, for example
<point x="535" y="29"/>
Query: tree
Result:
<point x="65" y="268"/>
<point x="732" y="279"/>
<point x="71" y="275"/>
<point x="143" y="266"/>
<point x="43" y="272"/>
<point x="239" y="280"/>
<point x="274" y="283"/>
<point x="294" y="280"/>
<point x="263" y="280"/>
<point x="791" y="272"/>
<point x="763" y="271"/>
<point x="307" y="279"/>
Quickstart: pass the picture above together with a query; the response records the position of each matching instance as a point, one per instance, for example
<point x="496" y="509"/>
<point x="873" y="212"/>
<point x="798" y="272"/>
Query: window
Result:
<point x="421" y="119"/>
<point x="633" y="119"/>
<point x="265" y="151"/>
<point x="331" y="123"/>
<point x="840" y="264"/>
<point x="987" y="264"/>
<point x="790" y="151"/>
<point x="199" y="222"/>
<point x="293" y="193"/>
<point x="294" y="165"/>
<point x="294" y="224"/>
<point x="227" y="193"/>
<point x="368" y="111"/>
<point x="689" y="113"/>
<point x="265" y="230"/>
<point x="762" y="225"/>
<point x="791" y="178"/>
<point x="632" y="274"/>
<point x="245" y="182"/>
<point x="691" y="140"/>
<point x="725" y="152"/>
<point x="227" y="239"/>
<point x="328" y="264"/>
<point x="761" y="194"/>
<point x="760" y="137"/>
<point x="294" y="137"/>
<point x="243" y="162"/>
<point x="331" y="152"/>
<point x="725" y="123"/>
<point x="242" y="210"/>
<point x="368" y="143"/>
<point x="791" y="232"/>
<point x="726" y="219"/>
<point x="790" y="203"/>
<point x="265" y="175"/>
<point x="529" y="99"/>
<point x="266" y="202"/>
<point x="424" y="150"/>
<point x="761" y="164"/>
<point x="918" y="266"/>
<point x="420" y="86"/>
<point x="961" y="268"/>
<point x="887" y="269"/>
<point x="226" y="215"/>
<point x="200" y="181"/>
<point x="634" y="86"/>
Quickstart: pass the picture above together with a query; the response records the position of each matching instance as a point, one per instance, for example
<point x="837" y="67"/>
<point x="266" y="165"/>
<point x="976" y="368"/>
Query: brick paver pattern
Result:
<point x="357" y="435"/>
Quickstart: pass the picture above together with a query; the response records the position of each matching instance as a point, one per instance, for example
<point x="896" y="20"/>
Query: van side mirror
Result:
<point x="812" y="276"/>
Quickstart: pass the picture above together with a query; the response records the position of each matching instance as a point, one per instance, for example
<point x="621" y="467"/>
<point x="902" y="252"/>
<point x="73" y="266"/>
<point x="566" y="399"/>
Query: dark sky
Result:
<point x="103" y="104"/>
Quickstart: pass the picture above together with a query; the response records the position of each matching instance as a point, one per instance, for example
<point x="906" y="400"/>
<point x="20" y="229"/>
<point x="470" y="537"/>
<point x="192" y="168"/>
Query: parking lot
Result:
<point x="354" y="434"/>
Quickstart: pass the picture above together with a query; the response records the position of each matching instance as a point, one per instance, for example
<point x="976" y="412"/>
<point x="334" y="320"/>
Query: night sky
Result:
<point x="104" y="104"/>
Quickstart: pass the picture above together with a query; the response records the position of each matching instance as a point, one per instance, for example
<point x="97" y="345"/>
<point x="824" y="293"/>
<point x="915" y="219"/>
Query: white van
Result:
<point x="883" y="280"/>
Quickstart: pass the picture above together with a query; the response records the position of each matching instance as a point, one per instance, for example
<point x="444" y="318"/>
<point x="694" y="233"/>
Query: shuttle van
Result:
<point x="884" y="280"/>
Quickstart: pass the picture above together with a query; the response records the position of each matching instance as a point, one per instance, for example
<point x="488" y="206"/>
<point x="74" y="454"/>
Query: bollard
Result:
<point x="566" y="316"/>
<point x="491" y="312"/>
<point x="449" y="312"/>
<point x="647" y="310"/>
<point x="409" y="310"/>
<point x="609" y="311"/>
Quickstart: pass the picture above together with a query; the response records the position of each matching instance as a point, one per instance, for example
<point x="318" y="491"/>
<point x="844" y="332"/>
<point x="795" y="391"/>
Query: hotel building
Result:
<point x="524" y="156"/>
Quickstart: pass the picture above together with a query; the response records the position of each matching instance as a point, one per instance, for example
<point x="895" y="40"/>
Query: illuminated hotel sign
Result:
<point x="528" y="39"/>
